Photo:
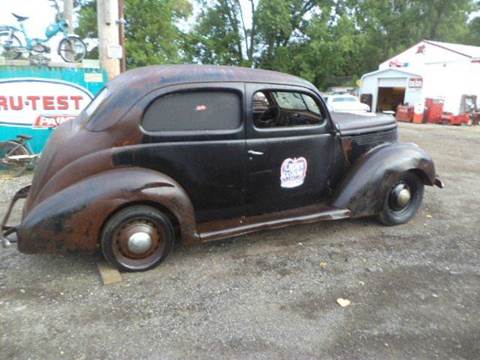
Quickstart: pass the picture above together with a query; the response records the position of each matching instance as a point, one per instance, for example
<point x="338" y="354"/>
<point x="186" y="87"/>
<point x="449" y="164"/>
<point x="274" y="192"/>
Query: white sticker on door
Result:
<point x="293" y="172"/>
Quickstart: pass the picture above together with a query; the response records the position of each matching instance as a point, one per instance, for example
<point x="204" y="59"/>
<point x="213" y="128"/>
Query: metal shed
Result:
<point x="429" y="69"/>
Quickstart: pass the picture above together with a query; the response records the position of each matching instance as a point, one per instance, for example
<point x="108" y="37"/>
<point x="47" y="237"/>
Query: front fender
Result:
<point x="72" y="218"/>
<point x="364" y="188"/>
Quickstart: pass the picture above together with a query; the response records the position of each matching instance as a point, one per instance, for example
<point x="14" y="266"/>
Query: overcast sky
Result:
<point x="39" y="12"/>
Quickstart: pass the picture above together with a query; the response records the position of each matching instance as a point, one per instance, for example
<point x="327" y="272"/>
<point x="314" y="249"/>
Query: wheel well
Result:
<point x="422" y="175"/>
<point x="158" y="206"/>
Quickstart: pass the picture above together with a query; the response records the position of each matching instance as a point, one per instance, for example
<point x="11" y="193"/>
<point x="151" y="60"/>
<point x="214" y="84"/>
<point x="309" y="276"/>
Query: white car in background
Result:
<point x="345" y="103"/>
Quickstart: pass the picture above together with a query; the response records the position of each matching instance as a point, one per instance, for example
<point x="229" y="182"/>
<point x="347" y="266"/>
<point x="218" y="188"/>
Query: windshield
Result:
<point x="95" y="103"/>
<point x="296" y="101"/>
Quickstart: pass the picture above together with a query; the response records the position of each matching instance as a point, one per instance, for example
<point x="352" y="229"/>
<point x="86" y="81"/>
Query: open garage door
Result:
<point x="389" y="98"/>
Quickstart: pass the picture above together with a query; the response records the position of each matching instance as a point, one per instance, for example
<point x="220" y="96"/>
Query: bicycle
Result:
<point x="16" y="156"/>
<point x="71" y="48"/>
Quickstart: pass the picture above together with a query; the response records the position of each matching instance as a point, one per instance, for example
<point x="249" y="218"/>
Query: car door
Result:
<point x="195" y="134"/>
<point x="290" y="146"/>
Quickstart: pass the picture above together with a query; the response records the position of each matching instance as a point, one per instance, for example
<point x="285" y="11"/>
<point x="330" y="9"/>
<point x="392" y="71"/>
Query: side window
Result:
<point x="273" y="109"/>
<point x="194" y="111"/>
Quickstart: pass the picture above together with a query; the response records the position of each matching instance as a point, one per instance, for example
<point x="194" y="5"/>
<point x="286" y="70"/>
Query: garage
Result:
<point x="389" y="98"/>
<point x="429" y="70"/>
<point x="389" y="88"/>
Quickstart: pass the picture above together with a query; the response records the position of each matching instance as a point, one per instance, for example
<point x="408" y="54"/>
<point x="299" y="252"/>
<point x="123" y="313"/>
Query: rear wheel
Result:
<point x="137" y="238"/>
<point x="10" y="46"/>
<point x="403" y="200"/>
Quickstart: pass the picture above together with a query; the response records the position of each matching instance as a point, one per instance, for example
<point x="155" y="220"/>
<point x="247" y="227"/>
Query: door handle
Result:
<point x="255" y="153"/>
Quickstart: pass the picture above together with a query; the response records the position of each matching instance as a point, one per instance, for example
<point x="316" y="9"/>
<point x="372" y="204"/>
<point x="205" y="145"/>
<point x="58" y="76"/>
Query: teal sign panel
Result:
<point x="35" y="100"/>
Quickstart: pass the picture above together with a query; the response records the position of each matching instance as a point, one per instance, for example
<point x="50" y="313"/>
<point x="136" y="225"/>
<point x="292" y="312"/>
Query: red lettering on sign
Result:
<point x="62" y="102"/>
<point x="76" y="99"/>
<point x="33" y="100"/>
<point x="48" y="103"/>
<point x="19" y="105"/>
<point x="3" y="103"/>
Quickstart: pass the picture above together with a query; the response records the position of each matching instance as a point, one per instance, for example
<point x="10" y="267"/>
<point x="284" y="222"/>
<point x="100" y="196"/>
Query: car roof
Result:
<point x="153" y="77"/>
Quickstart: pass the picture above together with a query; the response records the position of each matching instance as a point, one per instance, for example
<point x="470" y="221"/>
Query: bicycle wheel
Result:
<point x="72" y="49"/>
<point x="9" y="165"/>
<point x="10" y="46"/>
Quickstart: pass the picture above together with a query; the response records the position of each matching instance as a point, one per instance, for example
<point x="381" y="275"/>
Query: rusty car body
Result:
<point x="198" y="153"/>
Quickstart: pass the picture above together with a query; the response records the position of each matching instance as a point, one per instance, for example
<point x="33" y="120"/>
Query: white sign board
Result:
<point x="415" y="83"/>
<point x="40" y="102"/>
<point x="115" y="52"/>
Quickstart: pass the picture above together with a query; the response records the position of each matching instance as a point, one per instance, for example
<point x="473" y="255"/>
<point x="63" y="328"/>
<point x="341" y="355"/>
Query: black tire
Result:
<point x="395" y="214"/>
<point x="119" y="229"/>
<point x="12" y="167"/>
<point x="72" y="49"/>
<point x="15" y="43"/>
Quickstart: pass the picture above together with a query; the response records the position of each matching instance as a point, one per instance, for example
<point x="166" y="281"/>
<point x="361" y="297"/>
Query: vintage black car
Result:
<point x="200" y="153"/>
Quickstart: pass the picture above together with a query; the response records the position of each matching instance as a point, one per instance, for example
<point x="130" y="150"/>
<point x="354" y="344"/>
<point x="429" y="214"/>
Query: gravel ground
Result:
<point x="414" y="288"/>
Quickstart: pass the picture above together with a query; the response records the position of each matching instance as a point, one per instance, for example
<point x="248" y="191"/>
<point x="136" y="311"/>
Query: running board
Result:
<point x="222" y="229"/>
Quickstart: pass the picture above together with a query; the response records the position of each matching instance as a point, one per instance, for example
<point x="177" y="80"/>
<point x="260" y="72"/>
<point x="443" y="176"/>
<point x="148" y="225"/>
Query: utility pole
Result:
<point x="108" y="44"/>
<point x="68" y="14"/>
<point x="121" y="34"/>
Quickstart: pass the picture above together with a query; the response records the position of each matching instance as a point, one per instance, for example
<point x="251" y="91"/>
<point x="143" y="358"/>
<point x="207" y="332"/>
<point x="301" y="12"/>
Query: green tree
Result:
<point x="220" y="35"/>
<point x="328" y="42"/>
<point x="87" y="19"/>
<point x="360" y="34"/>
<point x="473" y="36"/>
<point x="332" y="53"/>
<point x="151" y="30"/>
<point x="392" y="26"/>
<point x="282" y="26"/>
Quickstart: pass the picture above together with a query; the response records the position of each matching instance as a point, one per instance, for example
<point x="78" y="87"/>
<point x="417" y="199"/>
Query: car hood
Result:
<point x="349" y="106"/>
<point x="351" y="123"/>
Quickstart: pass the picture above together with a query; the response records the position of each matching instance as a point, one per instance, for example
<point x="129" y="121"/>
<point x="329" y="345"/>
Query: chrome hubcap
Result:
<point x="139" y="242"/>
<point x="401" y="196"/>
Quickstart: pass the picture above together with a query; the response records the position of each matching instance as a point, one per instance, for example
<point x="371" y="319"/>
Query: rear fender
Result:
<point x="7" y="28"/>
<point x="364" y="188"/>
<point x="72" y="219"/>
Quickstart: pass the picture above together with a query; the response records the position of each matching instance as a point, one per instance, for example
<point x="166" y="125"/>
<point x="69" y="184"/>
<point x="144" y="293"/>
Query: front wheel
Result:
<point x="72" y="49"/>
<point x="402" y="200"/>
<point x="13" y="158"/>
<point x="137" y="238"/>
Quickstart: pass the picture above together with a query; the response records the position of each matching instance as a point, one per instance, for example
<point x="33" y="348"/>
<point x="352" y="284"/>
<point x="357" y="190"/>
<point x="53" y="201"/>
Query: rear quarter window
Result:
<point x="194" y="111"/>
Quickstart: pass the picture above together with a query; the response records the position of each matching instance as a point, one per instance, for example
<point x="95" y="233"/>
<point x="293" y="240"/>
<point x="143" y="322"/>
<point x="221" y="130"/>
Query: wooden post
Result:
<point x="108" y="45"/>
<point x="121" y="34"/>
<point x="68" y="14"/>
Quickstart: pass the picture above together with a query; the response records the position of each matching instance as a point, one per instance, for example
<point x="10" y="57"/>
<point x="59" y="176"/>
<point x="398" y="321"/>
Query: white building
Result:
<point x="430" y="69"/>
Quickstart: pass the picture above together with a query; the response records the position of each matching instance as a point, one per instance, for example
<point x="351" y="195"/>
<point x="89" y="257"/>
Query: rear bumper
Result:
<point x="8" y="233"/>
